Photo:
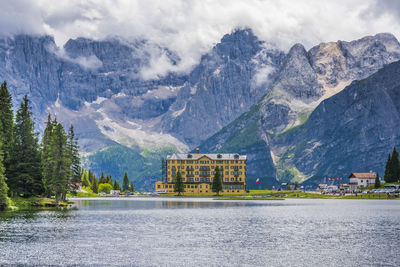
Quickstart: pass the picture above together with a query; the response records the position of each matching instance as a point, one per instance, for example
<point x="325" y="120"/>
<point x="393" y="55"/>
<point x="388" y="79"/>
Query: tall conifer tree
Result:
<point x="216" y="185"/>
<point x="25" y="175"/>
<point x="60" y="181"/>
<point x="125" y="182"/>
<point x="388" y="175"/>
<point x="179" y="186"/>
<point x="395" y="166"/>
<point x="6" y="126"/>
<point x="47" y="167"/>
<point x="4" y="202"/>
<point x="76" y="170"/>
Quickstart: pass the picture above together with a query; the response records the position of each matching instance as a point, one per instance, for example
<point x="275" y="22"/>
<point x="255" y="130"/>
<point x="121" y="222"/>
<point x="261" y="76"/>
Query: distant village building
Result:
<point x="361" y="179"/>
<point x="198" y="170"/>
<point x="115" y="192"/>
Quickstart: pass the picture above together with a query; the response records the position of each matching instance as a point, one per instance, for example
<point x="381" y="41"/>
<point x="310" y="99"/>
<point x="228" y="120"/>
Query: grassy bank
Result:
<point x="20" y="203"/>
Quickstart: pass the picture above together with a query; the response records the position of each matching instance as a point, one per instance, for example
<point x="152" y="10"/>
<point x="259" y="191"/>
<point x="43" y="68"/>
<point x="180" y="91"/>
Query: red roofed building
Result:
<point x="358" y="179"/>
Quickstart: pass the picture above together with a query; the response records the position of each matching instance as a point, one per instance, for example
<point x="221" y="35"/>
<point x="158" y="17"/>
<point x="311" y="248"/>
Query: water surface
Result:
<point x="203" y="232"/>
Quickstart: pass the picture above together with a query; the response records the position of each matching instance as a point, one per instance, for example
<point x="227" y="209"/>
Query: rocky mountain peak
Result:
<point x="241" y="44"/>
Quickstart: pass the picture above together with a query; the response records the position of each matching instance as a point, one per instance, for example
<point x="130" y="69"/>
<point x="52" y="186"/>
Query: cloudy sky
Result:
<point x="191" y="27"/>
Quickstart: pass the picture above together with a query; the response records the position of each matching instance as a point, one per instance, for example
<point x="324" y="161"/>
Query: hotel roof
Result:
<point x="217" y="156"/>
<point x="363" y="175"/>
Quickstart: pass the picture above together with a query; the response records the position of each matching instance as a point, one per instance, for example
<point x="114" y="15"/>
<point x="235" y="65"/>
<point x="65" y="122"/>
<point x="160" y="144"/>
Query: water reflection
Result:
<point x="198" y="232"/>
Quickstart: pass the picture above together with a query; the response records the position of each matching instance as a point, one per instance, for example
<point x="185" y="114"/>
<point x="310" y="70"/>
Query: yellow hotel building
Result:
<point x="198" y="170"/>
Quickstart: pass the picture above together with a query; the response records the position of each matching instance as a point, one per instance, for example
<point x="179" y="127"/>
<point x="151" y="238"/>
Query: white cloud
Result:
<point x="190" y="28"/>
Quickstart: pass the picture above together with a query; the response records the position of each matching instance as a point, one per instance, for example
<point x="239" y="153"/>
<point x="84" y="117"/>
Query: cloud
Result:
<point x="189" y="28"/>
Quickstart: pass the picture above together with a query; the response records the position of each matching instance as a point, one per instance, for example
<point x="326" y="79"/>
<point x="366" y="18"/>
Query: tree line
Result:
<point x="105" y="183"/>
<point x="29" y="168"/>
<point x="392" y="167"/>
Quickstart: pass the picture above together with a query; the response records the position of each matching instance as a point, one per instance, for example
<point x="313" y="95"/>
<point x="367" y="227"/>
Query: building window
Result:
<point x="197" y="179"/>
<point x="227" y="173"/>
<point x="232" y="179"/>
<point x="226" y="167"/>
<point x="201" y="186"/>
<point x="158" y="186"/>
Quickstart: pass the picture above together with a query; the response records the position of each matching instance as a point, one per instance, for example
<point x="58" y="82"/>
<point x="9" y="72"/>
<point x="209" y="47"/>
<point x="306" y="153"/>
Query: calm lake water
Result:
<point x="203" y="232"/>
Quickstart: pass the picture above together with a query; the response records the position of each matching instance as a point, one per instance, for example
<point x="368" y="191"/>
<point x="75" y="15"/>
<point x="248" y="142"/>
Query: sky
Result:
<point x="190" y="28"/>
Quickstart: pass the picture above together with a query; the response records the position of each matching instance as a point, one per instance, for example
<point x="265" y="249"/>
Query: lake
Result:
<point x="205" y="232"/>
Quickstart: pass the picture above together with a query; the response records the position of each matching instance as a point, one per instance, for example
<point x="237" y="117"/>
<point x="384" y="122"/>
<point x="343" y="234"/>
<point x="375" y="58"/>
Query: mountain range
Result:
<point x="244" y="96"/>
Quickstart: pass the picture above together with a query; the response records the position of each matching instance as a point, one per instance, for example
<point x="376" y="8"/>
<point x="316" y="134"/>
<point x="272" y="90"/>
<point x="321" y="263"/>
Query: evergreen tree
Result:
<point x="216" y="185"/>
<point x="116" y="186"/>
<point x="377" y="181"/>
<point x="47" y="167"/>
<point x="60" y="181"/>
<point x="125" y="182"/>
<point x="95" y="184"/>
<point x="85" y="178"/>
<point x="179" y="187"/>
<point x="388" y="176"/>
<point x="25" y="174"/>
<point x="395" y="166"/>
<point x="76" y="169"/>
<point x="102" y="179"/>
<point x="109" y="180"/>
<point x="4" y="202"/>
<point x="7" y="127"/>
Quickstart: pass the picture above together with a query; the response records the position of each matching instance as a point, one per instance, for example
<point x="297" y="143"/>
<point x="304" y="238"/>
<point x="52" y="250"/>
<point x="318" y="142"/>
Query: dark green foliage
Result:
<point x="387" y="176"/>
<point x="131" y="187"/>
<point x="3" y="186"/>
<point x="125" y="182"/>
<point x="179" y="186"/>
<point x="392" y="168"/>
<point x="109" y="180"/>
<point x="25" y="174"/>
<point x="116" y="186"/>
<point x="94" y="183"/>
<point x="6" y="126"/>
<point x="102" y="179"/>
<point x="76" y="170"/>
<point x="395" y="166"/>
<point x="45" y="156"/>
<point x="85" y="178"/>
<point x="377" y="181"/>
<point x="216" y="185"/>
<point x="60" y="160"/>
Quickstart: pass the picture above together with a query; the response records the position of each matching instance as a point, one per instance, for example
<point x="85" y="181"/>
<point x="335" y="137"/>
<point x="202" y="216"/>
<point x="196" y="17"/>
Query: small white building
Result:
<point x="115" y="192"/>
<point x="361" y="179"/>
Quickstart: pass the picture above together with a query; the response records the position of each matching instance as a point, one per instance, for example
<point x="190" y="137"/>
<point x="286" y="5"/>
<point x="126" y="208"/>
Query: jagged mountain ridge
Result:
<point x="97" y="86"/>
<point x="352" y="130"/>
<point x="305" y="79"/>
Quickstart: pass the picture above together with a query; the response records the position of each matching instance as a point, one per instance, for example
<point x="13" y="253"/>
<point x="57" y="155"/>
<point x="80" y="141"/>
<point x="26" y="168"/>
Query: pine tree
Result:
<point x="85" y="178"/>
<point x="25" y="174"/>
<point x="388" y="175"/>
<point x="4" y="202"/>
<point x="95" y="184"/>
<point x="76" y="169"/>
<point x="60" y="181"/>
<point x="395" y="166"/>
<point x="109" y="179"/>
<point x="216" y="185"/>
<point x="125" y="182"/>
<point x="179" y="187"/>
<point x="377" y="181"/>
<point x="47" y="168"/>
<point x="7" y="127"/>
<point x="116" y="186"/>
<point x="102" y="179"/>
